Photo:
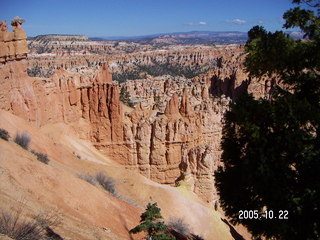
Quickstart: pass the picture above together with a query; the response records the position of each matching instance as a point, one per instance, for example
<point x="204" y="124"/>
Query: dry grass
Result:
<point x="14" y="225"/>
<point x="107" y="183"/>
<point x="178" y="225"/>
<point x="88" y="178"/>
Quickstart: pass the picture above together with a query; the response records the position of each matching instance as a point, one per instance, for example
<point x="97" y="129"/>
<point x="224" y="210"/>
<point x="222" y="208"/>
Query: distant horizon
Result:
<point x="297" y="34"/>
<point x="148" y="35"/>
<point x="131" y="18"/>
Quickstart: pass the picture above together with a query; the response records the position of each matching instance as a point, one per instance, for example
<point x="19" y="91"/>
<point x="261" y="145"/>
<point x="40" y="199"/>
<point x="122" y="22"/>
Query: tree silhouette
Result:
<point x="271" y="147"/>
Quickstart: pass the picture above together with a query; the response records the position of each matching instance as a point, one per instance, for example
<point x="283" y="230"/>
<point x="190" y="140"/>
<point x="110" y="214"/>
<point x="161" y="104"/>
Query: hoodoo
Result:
<point x="13" y="45"/>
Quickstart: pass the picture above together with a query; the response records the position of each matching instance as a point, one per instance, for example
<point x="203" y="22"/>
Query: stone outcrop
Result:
<point x="172" y="109"/>
<point x="70" y="95"/>
<point x="184" y="131"/>
<point x="13" y="45"/>
<point x="186" y="109"/>
<point x="197" y="167"/>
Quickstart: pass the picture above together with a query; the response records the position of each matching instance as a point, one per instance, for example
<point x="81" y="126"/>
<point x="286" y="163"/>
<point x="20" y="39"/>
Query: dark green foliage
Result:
<point x="127" y="75"/>
<point x="4" y="134"/>
<point x="22" y="139"/>
<point x="125" y="97"/>
<point x="41" y="157"/>
<point x="106" y="182"/>
<point x="150" y="224"/>
<point x="168" y="67"/>
<point x="34" y="71"/>
<point x="271" y="148"/>
<point x="270" y="161"/>
<point x="159" y="69"/>
<point x="266" y="55"/>
<point x="38" y="71"/>
<point x="306" y="20"/>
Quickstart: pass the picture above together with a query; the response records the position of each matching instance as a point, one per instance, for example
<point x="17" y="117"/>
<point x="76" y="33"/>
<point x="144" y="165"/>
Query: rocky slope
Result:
<point x="86" y="211"/>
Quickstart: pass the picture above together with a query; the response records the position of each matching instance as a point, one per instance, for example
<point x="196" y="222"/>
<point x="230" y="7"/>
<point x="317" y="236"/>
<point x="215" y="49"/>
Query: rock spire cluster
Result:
<point x="13" y="45"/>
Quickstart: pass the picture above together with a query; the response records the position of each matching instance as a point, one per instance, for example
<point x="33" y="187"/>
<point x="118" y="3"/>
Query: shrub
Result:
<point x="12" y="225"/>
<point x="106" y="182"/>
<point x="179" y="225"/>
<point x="196" y="237"/>
<point x="45" y="220"/>
<point x="90" y="179"/>
<point x="22" y="139"/>
<point x="41" y="157"/>
<point x="4" y="134"/>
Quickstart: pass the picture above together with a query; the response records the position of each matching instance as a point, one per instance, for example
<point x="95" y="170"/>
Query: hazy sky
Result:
<point x="100" y="18"/>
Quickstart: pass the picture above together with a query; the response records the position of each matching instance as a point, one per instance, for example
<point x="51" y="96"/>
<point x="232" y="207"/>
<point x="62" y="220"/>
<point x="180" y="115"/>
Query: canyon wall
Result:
<point x="165" y="145"/>
<point x="173" y="133"/>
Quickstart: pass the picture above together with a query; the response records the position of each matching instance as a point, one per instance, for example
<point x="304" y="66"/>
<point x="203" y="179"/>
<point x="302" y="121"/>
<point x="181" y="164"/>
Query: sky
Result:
<point x="105" y="18"/>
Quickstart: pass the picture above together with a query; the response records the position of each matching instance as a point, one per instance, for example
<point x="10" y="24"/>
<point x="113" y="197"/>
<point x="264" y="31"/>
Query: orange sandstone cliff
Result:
<point x="177" y="143"/>
<point x="172" y="135"/>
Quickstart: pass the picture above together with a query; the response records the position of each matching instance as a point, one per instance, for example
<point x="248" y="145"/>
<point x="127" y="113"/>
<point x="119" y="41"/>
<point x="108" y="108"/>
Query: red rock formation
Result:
<point x="185" y="108"/>
<point x="104" y="75"/>
<point x="198" y="165"/>
<point x="142" y="139"/>
<point x="205" y="93"/>
<point x="172" y="109"/>
<point x="13" y="45"/>
<point x="17" y="93"/>
<point x="178" y="139"/>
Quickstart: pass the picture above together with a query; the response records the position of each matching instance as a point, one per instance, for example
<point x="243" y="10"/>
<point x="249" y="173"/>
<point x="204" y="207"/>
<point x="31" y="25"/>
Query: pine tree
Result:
<point x="150" y="224"/>
<point x="271" y="147"/>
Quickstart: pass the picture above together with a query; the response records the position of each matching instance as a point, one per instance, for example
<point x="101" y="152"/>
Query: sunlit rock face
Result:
<point x="171" y="135"/>
<point x="13" y="45"/>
